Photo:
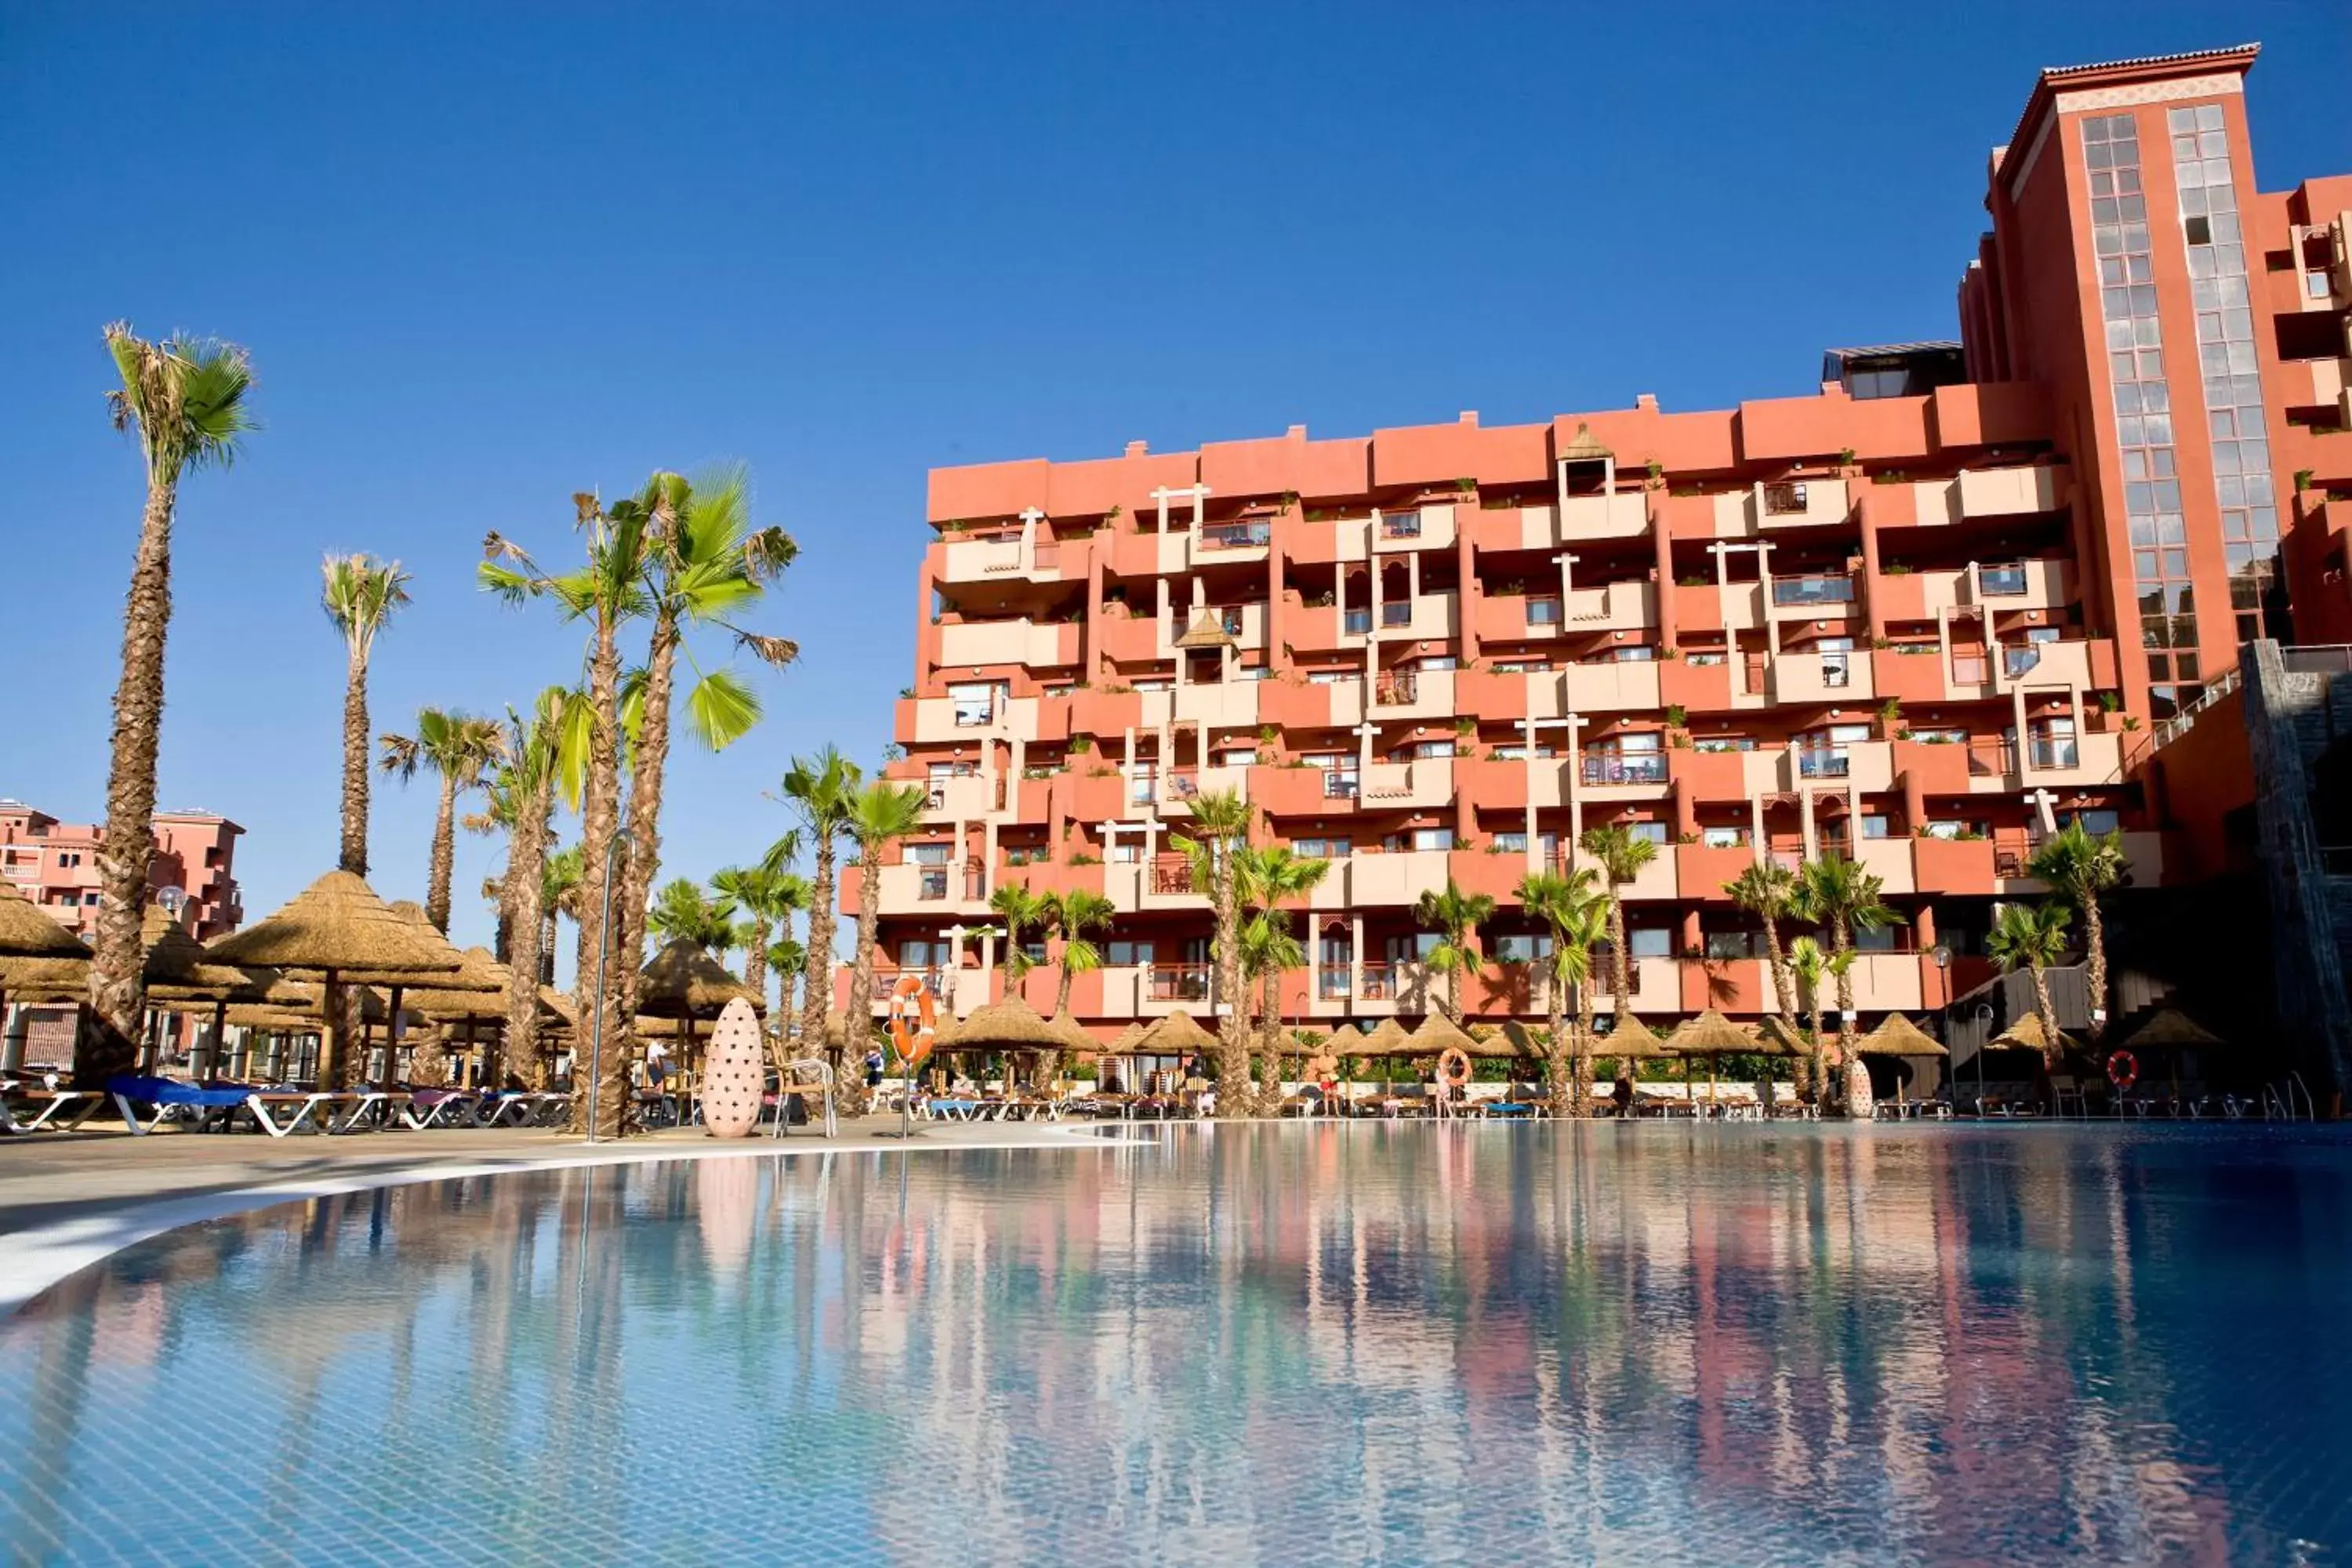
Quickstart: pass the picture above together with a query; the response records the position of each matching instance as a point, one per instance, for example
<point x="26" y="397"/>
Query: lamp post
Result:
<point x="604" y="951"/>
<point x="1984" y="1018"/>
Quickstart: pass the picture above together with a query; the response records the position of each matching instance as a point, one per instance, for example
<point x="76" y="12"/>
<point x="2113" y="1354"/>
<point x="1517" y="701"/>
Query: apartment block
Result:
<point x="1920" y="617"/>
<point x="55" y="865"/>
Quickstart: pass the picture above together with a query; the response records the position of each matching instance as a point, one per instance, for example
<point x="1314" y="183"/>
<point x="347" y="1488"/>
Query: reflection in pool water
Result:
<point x="1412" y="1343"/>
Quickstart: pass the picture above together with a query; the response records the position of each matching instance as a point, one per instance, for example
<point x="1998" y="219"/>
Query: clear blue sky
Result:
<point x="487" y="256"/>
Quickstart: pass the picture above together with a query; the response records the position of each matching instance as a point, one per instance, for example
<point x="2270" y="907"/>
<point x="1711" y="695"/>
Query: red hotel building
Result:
<point x="1919" y="617"/>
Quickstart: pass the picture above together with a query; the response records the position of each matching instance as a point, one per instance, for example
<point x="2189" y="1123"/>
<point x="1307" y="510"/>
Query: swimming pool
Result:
<point x="1407" y="1344"/>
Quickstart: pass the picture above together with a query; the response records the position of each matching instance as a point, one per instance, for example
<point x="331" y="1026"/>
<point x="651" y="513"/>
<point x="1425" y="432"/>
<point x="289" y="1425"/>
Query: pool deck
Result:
<point x="68" y="1199"/>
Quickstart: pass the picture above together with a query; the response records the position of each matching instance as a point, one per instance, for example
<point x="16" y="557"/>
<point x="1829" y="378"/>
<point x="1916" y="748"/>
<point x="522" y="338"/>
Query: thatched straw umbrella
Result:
<point x="1709" y="1035"/>
<point x="475" y="993"/>
<point x="2170" y="1029"/>
<point x="57" y="960"/>
<point x="2027" y="1035"/>
<point x="1177" y="1035"/>
<point x="1899" y="1036"/>
<point x="339" y="929"/>
<point x="178" y="969"/>
<point x="684" y="984"/>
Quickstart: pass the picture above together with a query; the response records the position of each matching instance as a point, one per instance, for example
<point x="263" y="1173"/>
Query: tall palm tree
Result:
<point x="607" y="592"/>
<point x="1767" y="890"/>
<point x="765" y="894"/>
<point x="1264" y="879"/>
<point x="820" y="789"/>
<point x="1578" y="916"/>
<point x="185" y="398"/>
<point x="681" y="910"/>
<point x="1622" y="853"/>
<point x="705" y="566"/>
<point x="523" y="790"/>
<point x="1021" y="911"/>
<point x="559" y="899"/>
<point x="1808" y="967"/>
<point x="459" y="749"/>
<point x="787" y="958"/>
<point x="360" y="595"/>
<point x="1836" y="892"/>
<point x="1221" y="823"/>
<point x="1455" y="915"/>
<point x="2078" y="866"/>
<point x="2034" y="936"/>
<point x="879" y="814"/>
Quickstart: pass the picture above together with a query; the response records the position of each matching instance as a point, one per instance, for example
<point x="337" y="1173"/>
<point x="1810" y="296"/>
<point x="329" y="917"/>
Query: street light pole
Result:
<point x="604" y="950"/>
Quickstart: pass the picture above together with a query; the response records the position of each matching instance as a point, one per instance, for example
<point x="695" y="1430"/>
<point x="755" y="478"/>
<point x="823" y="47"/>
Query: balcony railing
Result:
<point x="1397" y="613"/>
<point x="1835" y="671"/>
<point x="1338" y="785"/>
<point x="1332" y="980"/>
<point x="1356" y="623"/>
<point x="1969" y="669"/>
<point x="1404" y="526"/>
<point x="1822" y="763"/>
<point x="1813" y="590"/>
<point x="2001" y="582"/>
<point x="1397" y="686"/>
<point x="931" y="885"/>
<point x="1236" y="535"/>
<point x="969" y="715"/>
<point x="2017" y="661"/>
<point x="1784" y="499"/>
<point x="1179" y="983"/>
<point x="1377" y="983"/>
<point x="1172" y="874"/>
<point x="1181" y="786"/>
<point x="1992" y="759"/>
<point x="1629" y="768"/>
<point x="1543" y="613"/>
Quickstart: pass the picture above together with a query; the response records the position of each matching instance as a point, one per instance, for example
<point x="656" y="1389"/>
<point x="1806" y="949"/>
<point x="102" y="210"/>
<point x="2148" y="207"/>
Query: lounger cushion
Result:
<point x="169" y="1092"/>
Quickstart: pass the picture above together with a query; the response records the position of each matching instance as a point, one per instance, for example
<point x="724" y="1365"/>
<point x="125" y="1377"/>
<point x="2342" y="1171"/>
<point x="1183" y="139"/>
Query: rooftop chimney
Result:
<point x="1137" y="448"/>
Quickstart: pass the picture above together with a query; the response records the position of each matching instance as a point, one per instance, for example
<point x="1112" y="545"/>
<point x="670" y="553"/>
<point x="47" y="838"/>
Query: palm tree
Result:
<point x="787" y="958"/>
<point x="1807" y="965"/>
<point x="821" y="790"/>
<point x="705" y="565"/>
<point x="1073" y="914"/>
<point x="1263" y="880"/>
<point x="558" y="897"/>
<point x="461" y="749"/>
<point x="1221" y="818"/>
<point x="2034" y="936"/>
<point x="1020" y="910"/>
<point x="1578" y="915"/>
<point x="1622" y="853"/>
<point x="1836" y="892"/>
<point x="523" y="792"/>
<point x="765" y="893"/>
<point x="360" y="595"/>
<point x="1454" y="916"/>
<point x="879" y="814"/>
<point x="1767" y="890"/>
<point x="682" y="912"/>
<point x="606" y="592"/>
<point x="186" y="400"/>
<point x="2078" y="866"/>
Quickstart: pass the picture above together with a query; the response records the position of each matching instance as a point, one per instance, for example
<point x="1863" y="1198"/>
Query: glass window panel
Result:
<point x="2184" y="147"/>
<point x="2208" y="116"/>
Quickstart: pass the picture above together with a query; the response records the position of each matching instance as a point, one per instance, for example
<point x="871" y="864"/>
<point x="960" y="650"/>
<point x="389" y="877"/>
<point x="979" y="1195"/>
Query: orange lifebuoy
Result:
<point x="1452" y="1067"/>
<point x="2123" y="1069"/>
<point x="913" y="1020"/>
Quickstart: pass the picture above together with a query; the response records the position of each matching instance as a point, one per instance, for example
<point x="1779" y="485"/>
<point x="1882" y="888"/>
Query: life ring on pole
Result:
<point x="914" y="1020"/>
<point x="1452" y="1067"/>
<point x="2123" y="1069"/>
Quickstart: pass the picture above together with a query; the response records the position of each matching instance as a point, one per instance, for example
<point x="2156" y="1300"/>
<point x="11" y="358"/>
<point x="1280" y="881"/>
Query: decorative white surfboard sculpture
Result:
<point x="732" y="1073"/>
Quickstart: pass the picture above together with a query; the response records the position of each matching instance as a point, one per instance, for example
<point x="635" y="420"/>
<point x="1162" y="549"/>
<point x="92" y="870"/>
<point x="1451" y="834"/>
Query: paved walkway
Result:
<point x="68" y="1199"/>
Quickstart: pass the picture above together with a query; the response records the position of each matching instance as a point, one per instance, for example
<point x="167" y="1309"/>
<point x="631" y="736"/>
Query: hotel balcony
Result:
<point x="1174" y="792"/>
<point x="1005" y="558"/>
<point x="944" y="720"/>
<point x="965" y="798"/>
<point x="1617" y="687"/>
<point x="1785" y="503"/>
<point x="1724" y="777"/>
<point x="1424" y="618"/>
<point x="1822" y="596"/>
<point x="1036" y="644"/>
<point x="1823" y="677"/>
<point x="1613" y="606"/>
<point x="2022" y="491"/>
<point x="1625" y="515"/>
<point x="1325" y="628"/>
<point x="1427" y="527"/>
<point x="1628" y="776"/>
<point x="1224" y="704"/>
<point x="1415" y="786"/>
<point x="1413" y="694"/>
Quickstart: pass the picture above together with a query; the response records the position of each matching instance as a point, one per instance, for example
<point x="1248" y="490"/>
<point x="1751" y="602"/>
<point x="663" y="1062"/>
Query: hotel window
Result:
<point x="1784" y="497"/>
<point x="2229" y="371"/>
<point x="1703" y="659"/>
<point x="931" y="885"/>
<point x="1723" y="743"/>
<point x="928" y="853"/>
<point x="1152" y="685"/>
<point x="2096" y="823"/>
<point x="1432" y="838"/>
<point x="1410" y="948"/>
<point x="1125" y="852"/>
<point x="1239" y="757"/>
<point x="1127" y="954"/>
<point x="2143" y="399"/>
<point x="1522" y="667"/>
<point x="1543" y="612"/>
<point x="1511" y="843"/>
<point x="1432" y="663"/>
<point x="1357" y="620"/>
<point x="1730" y="943"/>
<point x="1321" y="848"/>
<point x="1637" y="653"/>
<point x="1880" y="939"/>
<point x="974" y="704"/>
<point x="917" y="954"/>
<point x="1335" y="678"/>
<point x="1655" y="832"/>
<point x="1873" y="824"/>
<point x="1724" y="837"/>
<point x="1649" y="941"/>
<point x="1517" y="949"/>
<point x="1429" y="751"/>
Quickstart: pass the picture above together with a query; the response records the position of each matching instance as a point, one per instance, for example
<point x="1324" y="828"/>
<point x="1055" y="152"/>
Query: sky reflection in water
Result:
<point x="1409" y="1345"/>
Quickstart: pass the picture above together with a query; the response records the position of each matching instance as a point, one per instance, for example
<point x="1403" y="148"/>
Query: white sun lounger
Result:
<point x="55" y="1106"/>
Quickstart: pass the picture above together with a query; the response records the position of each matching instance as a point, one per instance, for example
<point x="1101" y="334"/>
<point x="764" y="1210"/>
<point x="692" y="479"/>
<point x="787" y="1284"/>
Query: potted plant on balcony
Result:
<point x="1677" y="726"/>
<point x="1890" y="721"/>
<point x="2104" y="716"/>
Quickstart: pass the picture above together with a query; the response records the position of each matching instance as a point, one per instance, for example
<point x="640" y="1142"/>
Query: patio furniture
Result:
<point x="171" y="1100"/>
<point x="57" y="1109"/>
<point x="430" y="1108"/>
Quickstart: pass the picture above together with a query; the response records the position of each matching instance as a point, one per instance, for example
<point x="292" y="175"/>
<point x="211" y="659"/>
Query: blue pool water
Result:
<point x="1407" y="1345"/>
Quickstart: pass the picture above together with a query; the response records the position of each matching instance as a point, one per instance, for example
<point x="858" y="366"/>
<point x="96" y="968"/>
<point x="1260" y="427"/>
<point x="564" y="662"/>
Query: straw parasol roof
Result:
<point x="1629" y="1037"/>
<point x="1899" y="1036"/>
<point x="1347" y="1040"/>
<point x="1774" y="1039"/>
<point x="44" y="979"/>
<point x="2171" y="1029"/>
<point x="683" y="980"/>
<point x="1010" y="1024"/>
<point x="1439" y="1033"/>
<point x="338" y="924"/>
<point x="177" y="968"/>
<point x="1176" y="1036"/>
<point x="27" y="933"/>
<point x="1073" y="1038"/>
<point x="1388" y="1039"/>
<point x="2026" y="1034"/>
<point x="1206" y="631"/>
<point x="1709" y="1035"/>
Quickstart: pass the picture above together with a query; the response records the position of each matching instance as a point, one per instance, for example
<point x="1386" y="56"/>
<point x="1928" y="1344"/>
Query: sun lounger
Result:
<point x="55" y="1110"/>
<point x="297" y="1106"/>
<point x="171" y="1100"/>
<point x="430" y="1108"/>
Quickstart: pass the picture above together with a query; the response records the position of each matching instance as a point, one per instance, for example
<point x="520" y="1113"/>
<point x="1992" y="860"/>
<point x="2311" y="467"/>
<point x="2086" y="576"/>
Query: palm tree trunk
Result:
<point x="600" y="813"/>
<point x="445" y="854"/>
<point x="2094" y="962"/>
<point x="1454" y="976"/>
<point x="1270" y="1043"/>
<point x="755" y="959"/>
<point x="1784" y="982"/>
<point x="526" y="867"/>
<point x="1560" y="1047"/>
<point x="643" y="859"/>
<point x="1620" y="966"/>
<point x="1581" y="1088"/>
<point x="107" y="1031"/>
<point x="857" y="1021"/>
<point x="1841" y="941"/>
<point x="2048" y="1012"/>
<point x="551" y="933"/>
<point x="353" y="856"/>
<point x="816" y="993"/>
<point x="1233" y="1036"/>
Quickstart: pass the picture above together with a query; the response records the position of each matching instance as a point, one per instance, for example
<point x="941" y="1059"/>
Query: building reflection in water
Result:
<point x="1346" y="1342"/>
